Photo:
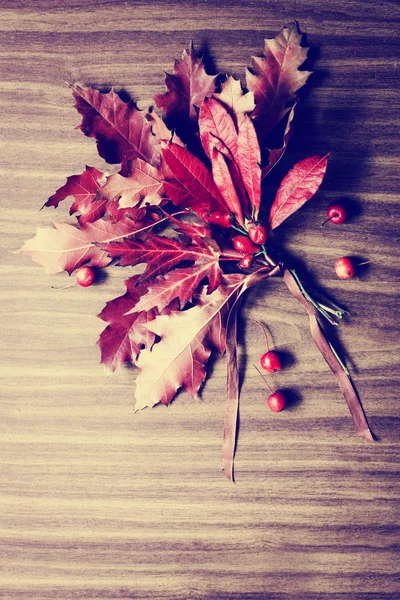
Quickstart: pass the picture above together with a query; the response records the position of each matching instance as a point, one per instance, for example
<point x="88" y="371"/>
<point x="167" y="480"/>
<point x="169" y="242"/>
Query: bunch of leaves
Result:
<point x="188" y="183"/>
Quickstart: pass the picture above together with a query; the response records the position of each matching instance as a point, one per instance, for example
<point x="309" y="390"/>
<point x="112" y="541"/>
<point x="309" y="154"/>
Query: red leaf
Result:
<point x="180" y="358"/>
<point x="121" y="130"/>
<point x="143" y="184"/>
<point x="276" y="154"/>
<point x="277" y="78"/>
<point x="186" y="88"/>
<point x="67" y="247"/>
<point x="160" y="253"/>
<point x="180" y="284"/>
<point x="126" y="335"/>
<point x="83" y="188"/>
<point x="194" y="179"/>
<point x="214" y="119"/>
<point x="299" y="185"/>
<point x="248" y="159"/>
<point x="223" y="180"/>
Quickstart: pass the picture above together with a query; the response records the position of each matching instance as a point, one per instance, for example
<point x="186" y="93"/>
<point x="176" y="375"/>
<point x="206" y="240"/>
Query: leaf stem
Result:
<point x="322" y="308"/>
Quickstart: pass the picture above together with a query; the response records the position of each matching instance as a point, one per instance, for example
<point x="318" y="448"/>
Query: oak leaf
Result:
<point x="276" y="78"/>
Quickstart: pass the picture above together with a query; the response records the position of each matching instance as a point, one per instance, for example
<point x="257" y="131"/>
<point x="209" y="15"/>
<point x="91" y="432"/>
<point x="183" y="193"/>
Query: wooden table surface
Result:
<point x="99" y="502"/>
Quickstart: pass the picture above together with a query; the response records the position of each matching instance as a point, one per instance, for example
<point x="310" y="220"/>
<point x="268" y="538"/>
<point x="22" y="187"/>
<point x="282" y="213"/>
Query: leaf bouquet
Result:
<point x="187" y="204"/>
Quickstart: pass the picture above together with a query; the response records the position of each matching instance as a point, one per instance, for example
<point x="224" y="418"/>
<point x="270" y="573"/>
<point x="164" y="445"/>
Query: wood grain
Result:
<point x="97" y="502"/>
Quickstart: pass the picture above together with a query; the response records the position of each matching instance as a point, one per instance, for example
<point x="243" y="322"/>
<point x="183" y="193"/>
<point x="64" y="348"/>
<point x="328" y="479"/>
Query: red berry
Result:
<point x="270" y="362"/>
<point x="241" y="243"/>
<point x="85" y="276"/>
<point x="257" y="234"/>
<point x="344" y="268"/>
<point x="276" y="401"/>
<point x="246" y="261"/>
<point x="336" y="214"/>
<point x="220" y="218"/>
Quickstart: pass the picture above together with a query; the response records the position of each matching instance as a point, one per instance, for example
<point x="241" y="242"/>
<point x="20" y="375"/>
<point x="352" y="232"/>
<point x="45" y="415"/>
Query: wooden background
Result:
<point x="97" y="502"/>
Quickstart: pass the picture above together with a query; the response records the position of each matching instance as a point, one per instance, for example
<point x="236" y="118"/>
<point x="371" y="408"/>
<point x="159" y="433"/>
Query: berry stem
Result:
<point x="326" y="220"/>
<point x="264" y="332"/>
<point x="322" y="308"/>
<point x="242" y="231"/>
<point x="265" y="381"/>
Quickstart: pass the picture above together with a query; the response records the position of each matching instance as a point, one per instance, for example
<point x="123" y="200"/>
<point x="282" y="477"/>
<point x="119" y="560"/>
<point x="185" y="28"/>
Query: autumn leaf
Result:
<point x="275" y="154"/>
<point x="83" y="188"/>
<point x="186" y="89"/>
<point x="66" y="247"/>
<point x="195" y="185"/>
<point x="223" y="180"/>
<point x="143" y="184"/>
<point x="121" y="130"/>
<point x="233" y="98"/>
<point x="160" y="253"/>
<point x="179" y="359"/>
<point x="248" y="160"/>
<point x="126" y="334"/>
<point x="298" y="186"/>
<point x="215" y="121"/>
<point x="276" y="78"/>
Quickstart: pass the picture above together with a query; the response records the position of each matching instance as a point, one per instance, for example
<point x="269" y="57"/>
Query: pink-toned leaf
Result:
<point x="233" y="98"/>
<point x="223" y="180"/>
<point x="277" y="78"/>
<point x="248" y="158"/>
<point x="143" y="184"/>
<point x="275" y="154"/>
<point x="180" y="284"/>
<point x="214" y="119"/>
<point x="125" y="335"/>
<point x="180" y="358"/>
<point x="66" y="247"/>
<point x="121" y="130"/>
<point x="298" y="186"/>
<point x="83" y="188"/>
<point x="161" y="254"/>
<point x="186" y="88"/>
<point x="196" y="180"/>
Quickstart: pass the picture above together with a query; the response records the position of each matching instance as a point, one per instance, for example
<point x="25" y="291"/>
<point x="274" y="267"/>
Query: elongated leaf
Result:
<point x="194" y="177"/>
<point x="248" y="159"/>
<point x="277" y="78"/>
<point x="186" y="89"/>
<point x="65" y="248"/>
<point x="180" y="358"/>
<point x="299" y="185"/>
<point x="223" y="180"/>
<point x="121" y="130"/>
<point x="83" y="188"/>
<point x="214" y="119"/>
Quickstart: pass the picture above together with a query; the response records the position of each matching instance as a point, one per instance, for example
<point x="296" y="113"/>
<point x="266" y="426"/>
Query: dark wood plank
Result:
<point x="97" y="502"/>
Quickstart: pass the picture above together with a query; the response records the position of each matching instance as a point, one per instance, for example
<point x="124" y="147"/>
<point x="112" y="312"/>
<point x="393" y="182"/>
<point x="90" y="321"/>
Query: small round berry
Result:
<point x="246" y="261"/>
<point x="271" y="362"/>
<point x="344" y="268"/>
<point x="257" y="234"/>
<point x="276" y="401"/>
<point x="241" y="243"/>
<point x="85" y="276"/>
<point x="336" y="213"/>
<point x="223" y="219"/>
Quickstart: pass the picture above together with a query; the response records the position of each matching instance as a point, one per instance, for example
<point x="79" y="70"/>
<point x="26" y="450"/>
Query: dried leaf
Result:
<point x="248" y="160"/>
<point x="299" y="185"/>
<point x="180" y="358"/>
<point x="186" y="89"/>
<point x="276" y="154"/>
<point x="233" y="98"/>
<point x="121" y="130"/>
<point x="277" y="78"/>
<point x="144" y="183"/>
